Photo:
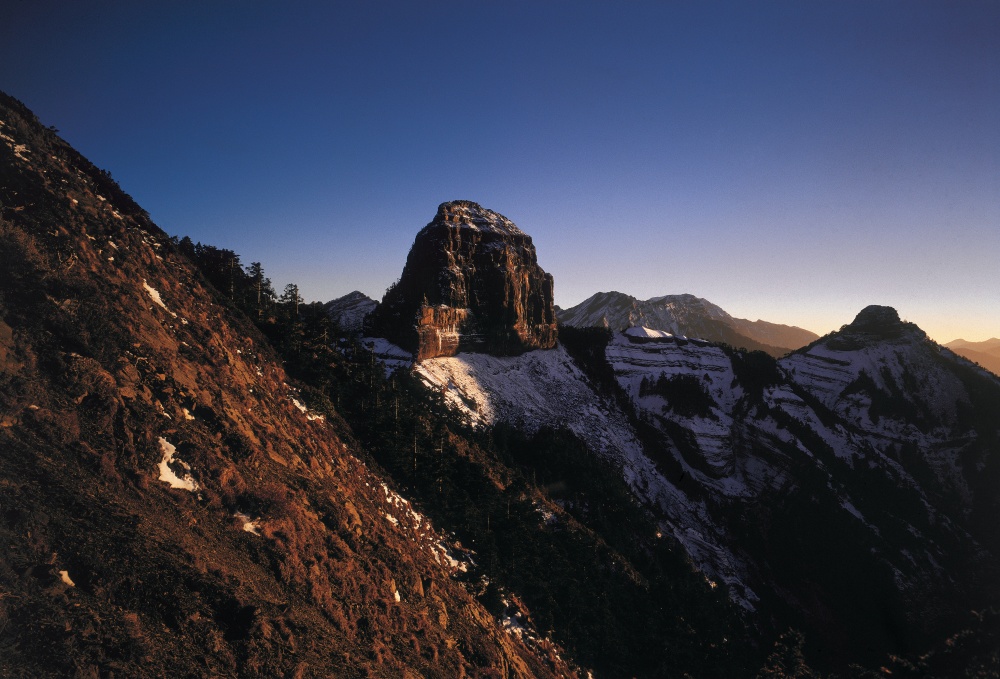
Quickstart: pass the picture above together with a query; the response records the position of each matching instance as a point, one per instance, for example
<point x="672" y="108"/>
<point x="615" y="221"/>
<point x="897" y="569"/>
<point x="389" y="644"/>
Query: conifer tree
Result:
<point x="291" y="298"/>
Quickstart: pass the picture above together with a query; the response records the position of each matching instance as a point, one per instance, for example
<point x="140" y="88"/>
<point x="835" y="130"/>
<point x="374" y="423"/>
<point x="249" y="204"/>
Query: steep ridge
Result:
<point x="471" y="283"/>
<point x="170" y="505"/>
<point x="684" y="315"/>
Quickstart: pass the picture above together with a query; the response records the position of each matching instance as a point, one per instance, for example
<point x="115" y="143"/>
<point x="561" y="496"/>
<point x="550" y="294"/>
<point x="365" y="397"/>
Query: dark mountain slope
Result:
<point x="847" y="485"/>
<point x="844" y="490"/>
<point x="552" y="524"/>
<point x="167" y="506"/>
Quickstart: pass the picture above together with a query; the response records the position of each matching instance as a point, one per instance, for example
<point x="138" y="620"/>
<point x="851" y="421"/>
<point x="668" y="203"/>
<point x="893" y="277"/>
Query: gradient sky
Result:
<point x="792" y="161"/>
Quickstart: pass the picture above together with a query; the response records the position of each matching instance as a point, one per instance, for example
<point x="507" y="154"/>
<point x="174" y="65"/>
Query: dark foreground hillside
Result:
<point x="167" y="508"/>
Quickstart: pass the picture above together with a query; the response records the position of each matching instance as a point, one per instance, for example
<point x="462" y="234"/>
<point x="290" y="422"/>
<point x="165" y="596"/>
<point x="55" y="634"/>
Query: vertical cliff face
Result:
<point x="471" y="283"/>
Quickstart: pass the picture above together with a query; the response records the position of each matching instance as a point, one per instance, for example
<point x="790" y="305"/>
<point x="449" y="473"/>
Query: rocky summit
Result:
<point x="880" y="321"/>
<point x="876" y="323"/>
<point x="471" y="283"/>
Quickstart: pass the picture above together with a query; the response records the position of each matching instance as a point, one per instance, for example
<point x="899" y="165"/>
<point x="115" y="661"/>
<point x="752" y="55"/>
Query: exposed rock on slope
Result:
<point x="170" y="506"/>
<point x="471" y="283"/>
<point x="685" y="315"/>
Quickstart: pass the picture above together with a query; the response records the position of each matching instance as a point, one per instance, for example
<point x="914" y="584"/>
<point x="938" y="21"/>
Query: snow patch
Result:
<point x="452" y="558"/>
<point x="249" y="525"/>
<point x="643" y="331"/>
<point x="388" y="354"/>
<point x="167" y="474"/>
<point x="155" y="296"/>
<point x="310" y="415"/>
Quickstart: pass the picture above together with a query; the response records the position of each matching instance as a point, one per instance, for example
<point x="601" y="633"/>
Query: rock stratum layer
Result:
<point x="471" y="283"/>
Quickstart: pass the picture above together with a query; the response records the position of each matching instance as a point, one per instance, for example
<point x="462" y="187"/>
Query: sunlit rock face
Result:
<point x="471" y="283"/>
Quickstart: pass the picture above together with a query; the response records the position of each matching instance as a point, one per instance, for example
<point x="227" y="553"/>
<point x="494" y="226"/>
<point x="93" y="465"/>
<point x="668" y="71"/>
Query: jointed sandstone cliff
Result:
<point x="471" y="283"/>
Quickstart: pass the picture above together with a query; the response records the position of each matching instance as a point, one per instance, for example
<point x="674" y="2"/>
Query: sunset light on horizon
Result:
<point x="787" y="161"/>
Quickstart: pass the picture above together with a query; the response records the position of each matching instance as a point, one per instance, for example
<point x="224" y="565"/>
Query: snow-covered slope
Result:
<point x="349" y="311"/>
<point x="866" y="458"/>
<point x="542" y="388"/>
<point x="868" y="430"/>
<point x="545" y="388"/>
<point x="639" y="364"/>
<point x="895" y="388"/>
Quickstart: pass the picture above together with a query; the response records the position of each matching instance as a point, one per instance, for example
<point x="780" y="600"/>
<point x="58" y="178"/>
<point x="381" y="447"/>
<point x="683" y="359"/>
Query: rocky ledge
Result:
<point x="471" y="283"/>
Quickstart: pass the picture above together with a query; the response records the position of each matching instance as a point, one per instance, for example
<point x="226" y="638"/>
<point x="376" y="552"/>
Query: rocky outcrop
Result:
<point x="875" y="317"/>
<point x="875" y="324"/>
<point x="471" y="283"/>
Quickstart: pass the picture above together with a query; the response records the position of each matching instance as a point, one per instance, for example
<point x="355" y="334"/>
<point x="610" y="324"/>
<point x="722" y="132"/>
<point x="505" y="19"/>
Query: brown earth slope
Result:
<point x="167" y="508"/>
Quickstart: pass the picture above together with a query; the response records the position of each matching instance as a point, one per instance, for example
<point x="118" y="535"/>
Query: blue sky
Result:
<point x="791" y="161"/>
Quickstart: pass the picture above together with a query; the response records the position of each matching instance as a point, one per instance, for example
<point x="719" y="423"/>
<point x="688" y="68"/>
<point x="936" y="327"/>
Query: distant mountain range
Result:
<point x="684" y="315"/>
<point x="986" y="354"/>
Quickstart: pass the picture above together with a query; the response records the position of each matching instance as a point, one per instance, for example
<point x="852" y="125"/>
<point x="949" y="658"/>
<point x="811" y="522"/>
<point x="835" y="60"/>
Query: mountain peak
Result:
<point x="466" y="213"/>
<point x="874" y="323"/>
<point x="349" y="311"/>
<point x="875" y="317"/>
<point x="471" y="283"/>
